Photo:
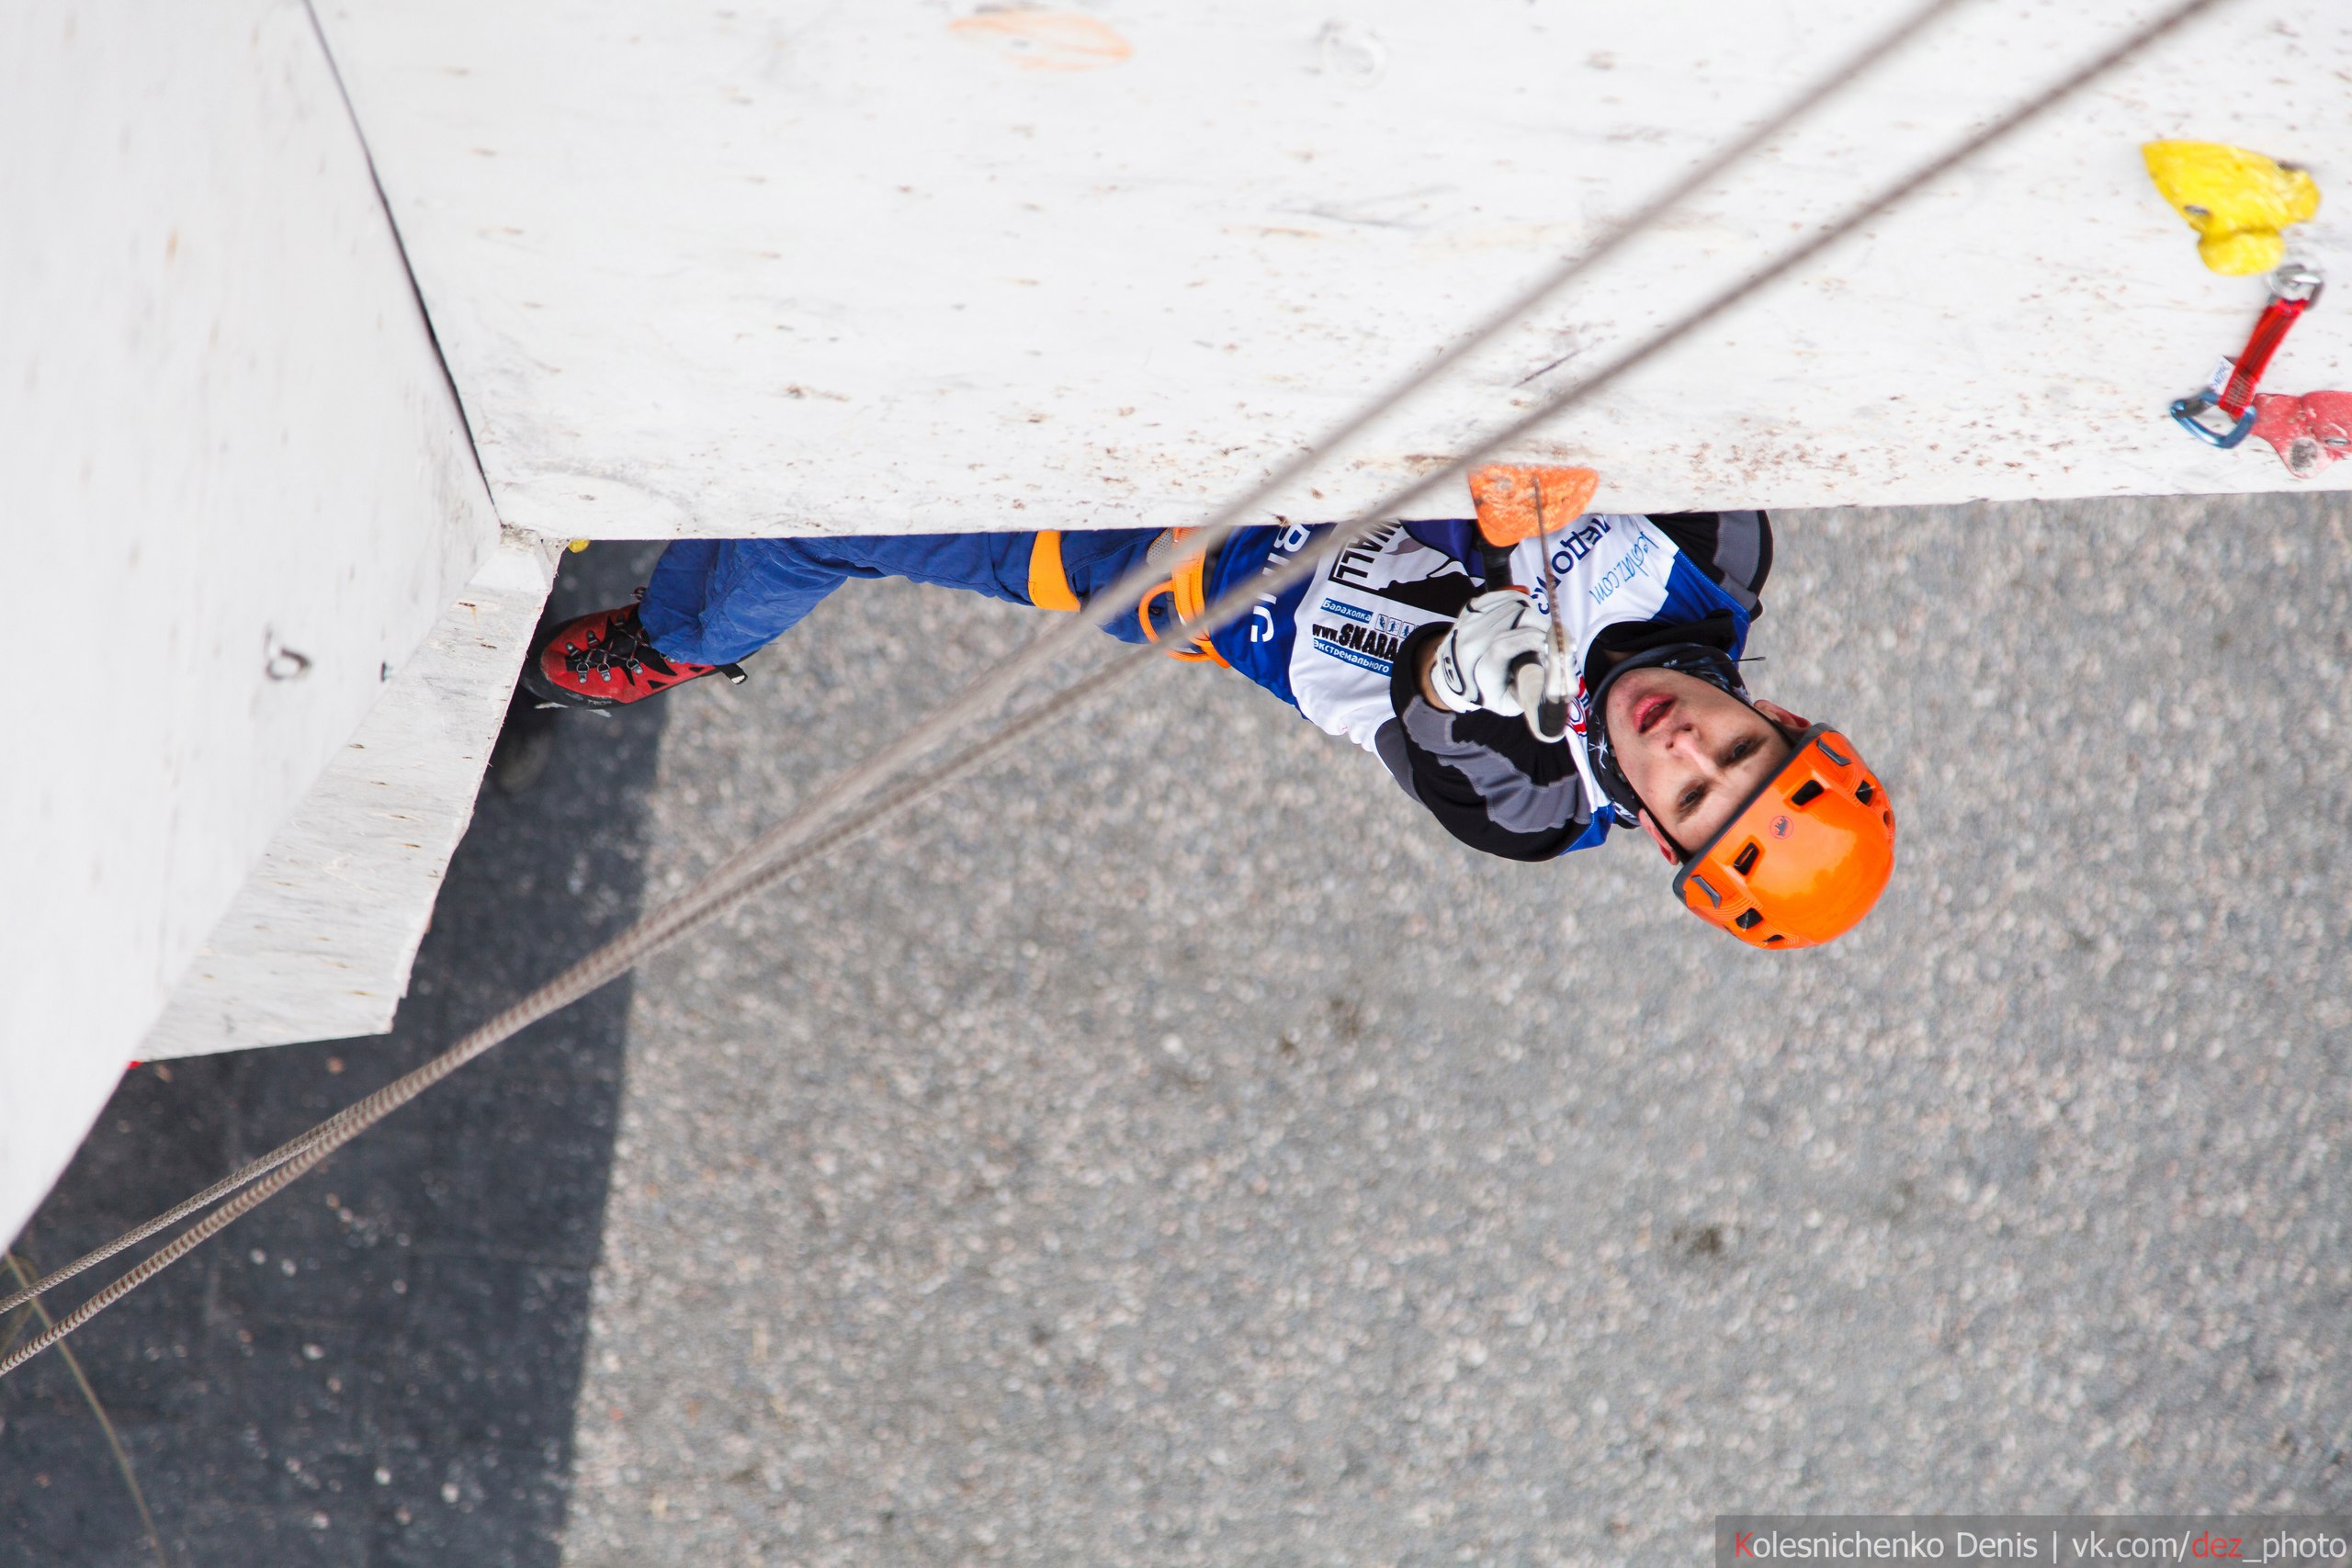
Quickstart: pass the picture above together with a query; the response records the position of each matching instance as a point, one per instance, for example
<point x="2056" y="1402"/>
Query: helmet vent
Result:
<point x="1808" y="792"/>
<point x="1749" y="920"/>
<point x="1770" y="940"/>
<point x="1864" y="793"/>
<point x="1747" y="859"/>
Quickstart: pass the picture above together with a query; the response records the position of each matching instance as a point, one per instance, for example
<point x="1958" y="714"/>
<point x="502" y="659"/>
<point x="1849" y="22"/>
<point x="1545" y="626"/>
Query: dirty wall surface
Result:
<point x="912" y="266"/>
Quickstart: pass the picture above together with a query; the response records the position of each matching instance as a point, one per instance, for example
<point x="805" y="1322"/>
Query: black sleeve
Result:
<point x="1733" y="547"/>
<point x="1487" y="781"/>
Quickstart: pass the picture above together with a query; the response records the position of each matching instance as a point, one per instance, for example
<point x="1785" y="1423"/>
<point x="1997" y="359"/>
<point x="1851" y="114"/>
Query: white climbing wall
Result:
<point x="319" y="942"/>
<point x="239" y="496"/>
<point x="779" y="267"/>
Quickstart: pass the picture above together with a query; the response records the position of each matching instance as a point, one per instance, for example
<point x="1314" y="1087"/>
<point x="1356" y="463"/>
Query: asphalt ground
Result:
<point x="1170" y="1147"/>
<point x="1173" y="1148"/>
<point x="377" y="1369"/>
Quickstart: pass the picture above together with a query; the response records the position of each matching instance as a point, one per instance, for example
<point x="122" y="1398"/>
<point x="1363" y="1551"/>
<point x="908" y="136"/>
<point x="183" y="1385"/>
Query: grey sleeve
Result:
<point x="1388" y="741"/>
<point x="1487" y="781"/>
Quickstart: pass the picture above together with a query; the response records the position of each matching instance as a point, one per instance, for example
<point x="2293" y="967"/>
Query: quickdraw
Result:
<point x="2294" y="289"/>
<point x="1516" y="503"/>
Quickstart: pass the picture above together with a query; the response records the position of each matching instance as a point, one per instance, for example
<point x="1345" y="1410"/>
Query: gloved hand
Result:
<point x="1472" y="668"/>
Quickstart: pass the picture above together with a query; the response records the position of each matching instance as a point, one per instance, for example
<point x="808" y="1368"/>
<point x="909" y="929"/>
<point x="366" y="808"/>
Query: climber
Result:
<point x="1779" y="833"/>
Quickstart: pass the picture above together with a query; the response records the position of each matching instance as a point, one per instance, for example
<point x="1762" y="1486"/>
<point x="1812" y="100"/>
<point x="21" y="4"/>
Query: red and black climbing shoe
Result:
<point x="604" y="660"/>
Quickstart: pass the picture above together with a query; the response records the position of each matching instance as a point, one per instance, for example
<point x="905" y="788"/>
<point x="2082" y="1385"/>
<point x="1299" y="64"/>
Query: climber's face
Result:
<point x="1691" y="750"/>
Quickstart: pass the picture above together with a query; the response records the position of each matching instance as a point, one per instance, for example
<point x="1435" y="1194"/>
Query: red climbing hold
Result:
<point x="2308" y="433"/>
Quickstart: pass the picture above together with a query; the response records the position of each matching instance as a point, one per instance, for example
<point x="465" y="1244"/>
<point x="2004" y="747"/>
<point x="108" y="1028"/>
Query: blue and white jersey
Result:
<point x="1332" y="646"/>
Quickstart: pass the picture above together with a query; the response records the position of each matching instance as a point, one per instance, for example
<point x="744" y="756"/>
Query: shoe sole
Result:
<point x="536" y="682"/>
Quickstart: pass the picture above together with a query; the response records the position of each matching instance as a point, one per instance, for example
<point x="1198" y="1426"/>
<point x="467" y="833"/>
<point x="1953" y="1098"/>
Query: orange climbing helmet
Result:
<point x="1805" y="858"/>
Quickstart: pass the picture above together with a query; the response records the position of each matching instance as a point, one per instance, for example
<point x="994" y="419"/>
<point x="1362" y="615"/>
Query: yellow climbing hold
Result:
<point x="2236" y="200"/>
<point x="578" y="545"/>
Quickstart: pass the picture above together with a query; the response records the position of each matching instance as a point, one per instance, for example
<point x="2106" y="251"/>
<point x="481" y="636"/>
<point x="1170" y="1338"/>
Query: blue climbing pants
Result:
<point x="716" y="600"/>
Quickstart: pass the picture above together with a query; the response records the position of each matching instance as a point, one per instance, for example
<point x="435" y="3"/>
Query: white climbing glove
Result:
<point x="1472" y="666"/>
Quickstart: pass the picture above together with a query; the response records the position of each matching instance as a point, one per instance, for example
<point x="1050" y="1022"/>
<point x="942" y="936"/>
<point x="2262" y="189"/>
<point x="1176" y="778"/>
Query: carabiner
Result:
<point x="2188" y="414"/>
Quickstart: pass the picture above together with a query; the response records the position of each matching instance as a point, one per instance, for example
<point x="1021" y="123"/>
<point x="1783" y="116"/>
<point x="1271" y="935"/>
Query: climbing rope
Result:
<point x="1065" y="638"/>
<point x="806" y="836"/>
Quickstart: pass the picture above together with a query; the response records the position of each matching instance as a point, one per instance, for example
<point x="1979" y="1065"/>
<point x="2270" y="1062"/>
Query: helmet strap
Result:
<point x="1665" y="841"/>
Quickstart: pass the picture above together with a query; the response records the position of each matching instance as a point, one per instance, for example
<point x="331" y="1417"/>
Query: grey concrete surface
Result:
<point x="1173" y="1149"/>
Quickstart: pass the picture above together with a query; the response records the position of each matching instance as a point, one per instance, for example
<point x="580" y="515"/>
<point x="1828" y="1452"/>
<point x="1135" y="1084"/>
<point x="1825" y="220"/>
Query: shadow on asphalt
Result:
<point x="380" y="1366"/>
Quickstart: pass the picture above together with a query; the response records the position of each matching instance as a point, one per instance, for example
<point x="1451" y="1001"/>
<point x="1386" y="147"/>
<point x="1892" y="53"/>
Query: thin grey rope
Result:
<point x="601" y="967"/>
<point x="795" y="841"/>
<point x="984" y="695"/>
<point x="1122" y="594"/>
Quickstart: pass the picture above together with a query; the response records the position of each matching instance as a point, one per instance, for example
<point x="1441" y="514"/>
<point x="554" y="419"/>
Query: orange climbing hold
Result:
<point x="1507" y="496"/>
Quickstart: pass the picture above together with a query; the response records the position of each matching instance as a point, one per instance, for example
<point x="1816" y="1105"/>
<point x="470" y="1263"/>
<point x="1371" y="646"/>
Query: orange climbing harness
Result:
<point x="1049" y="588"/>
<point x="1049" y="583"/>
<point x="1186" y="587"/>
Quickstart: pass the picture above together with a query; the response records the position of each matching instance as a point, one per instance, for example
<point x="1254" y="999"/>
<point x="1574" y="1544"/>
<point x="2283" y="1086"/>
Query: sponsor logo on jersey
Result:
<point x="1572" y="544"/>
<point x="1358" y="636"/>
<point x="1638" y="556"/>
<point x="1288" y="543"/>
<point x="1354" y="564"/>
